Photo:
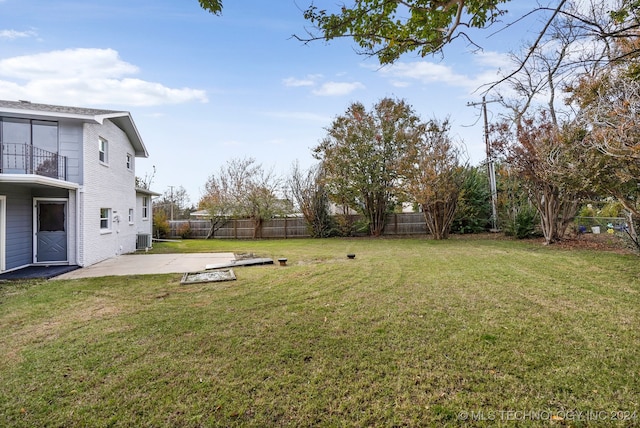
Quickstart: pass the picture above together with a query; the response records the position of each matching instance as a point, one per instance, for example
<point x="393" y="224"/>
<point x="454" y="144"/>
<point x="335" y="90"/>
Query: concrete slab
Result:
<point x="145" y="264"/>
<point x="243" y="262"/>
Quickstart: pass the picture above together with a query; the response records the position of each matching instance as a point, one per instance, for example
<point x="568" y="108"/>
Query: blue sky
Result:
<point x="203" y="89"/>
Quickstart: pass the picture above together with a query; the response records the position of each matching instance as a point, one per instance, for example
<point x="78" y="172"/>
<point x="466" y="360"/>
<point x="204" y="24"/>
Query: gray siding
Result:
<point x="19" y="222"/>
<point x="70" y="141"/>
<point x="19" y="248"/>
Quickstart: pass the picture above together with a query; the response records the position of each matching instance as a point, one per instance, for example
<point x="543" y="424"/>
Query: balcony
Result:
<point x="27" y="159"/>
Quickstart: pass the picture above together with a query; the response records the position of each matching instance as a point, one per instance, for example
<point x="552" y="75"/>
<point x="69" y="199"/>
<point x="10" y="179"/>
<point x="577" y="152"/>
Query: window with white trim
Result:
<point x="130" y="215"/>
<point x="103" y="150"/>
<point x="105" y="219"/>
<point x="129" y="162"/>
<point x="145" y="207"/>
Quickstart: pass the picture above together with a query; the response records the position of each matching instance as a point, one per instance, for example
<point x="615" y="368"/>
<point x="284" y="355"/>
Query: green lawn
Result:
<point x="412" y="332"/>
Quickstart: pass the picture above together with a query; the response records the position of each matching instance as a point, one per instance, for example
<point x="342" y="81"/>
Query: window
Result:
<point x="105" y="219"/>
<point x="145" y="207"/>
<point x="103" y="149"/>
<point x="129" y="162"/>
<point x="130" y="215"/>
<point x="45" y="135"/>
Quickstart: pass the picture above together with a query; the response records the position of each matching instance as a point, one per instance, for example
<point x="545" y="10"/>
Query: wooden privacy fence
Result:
<point x="291" y="227"/>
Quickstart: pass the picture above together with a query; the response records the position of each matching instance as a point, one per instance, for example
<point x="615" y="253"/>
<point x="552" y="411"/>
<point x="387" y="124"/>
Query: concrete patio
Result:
<point x="144" y="264"/>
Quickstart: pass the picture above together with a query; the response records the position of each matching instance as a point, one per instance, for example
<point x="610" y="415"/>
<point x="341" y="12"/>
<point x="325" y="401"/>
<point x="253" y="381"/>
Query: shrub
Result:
<point x="474" y="207"/>
<point x="184" y="231"/>
<point x="522" y="224"/>
<point x="161" y="228"/>
<point x="611" y="209"/>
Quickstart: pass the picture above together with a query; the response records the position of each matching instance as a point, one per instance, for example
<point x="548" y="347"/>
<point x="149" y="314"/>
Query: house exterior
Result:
<point x="68" y="191"/>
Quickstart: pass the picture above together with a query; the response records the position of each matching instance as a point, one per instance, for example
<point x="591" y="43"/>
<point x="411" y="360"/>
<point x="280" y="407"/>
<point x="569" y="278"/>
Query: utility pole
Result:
<point x="171" y="205"/>
<point x="491" y="172"/>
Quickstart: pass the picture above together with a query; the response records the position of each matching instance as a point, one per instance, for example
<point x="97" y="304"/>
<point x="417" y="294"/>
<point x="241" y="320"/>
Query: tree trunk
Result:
<point x="257" y="227"/>
<point x="212" y="230"/>
<point x="438" y="217"/>
<point x="555" y="212"/>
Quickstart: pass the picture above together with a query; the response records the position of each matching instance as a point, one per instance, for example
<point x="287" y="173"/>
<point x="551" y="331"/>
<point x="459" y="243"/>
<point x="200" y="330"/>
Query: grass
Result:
<point x="412" y="332"/>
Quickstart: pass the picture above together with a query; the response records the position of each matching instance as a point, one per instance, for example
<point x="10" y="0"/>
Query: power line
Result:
<point x="491" y="172"/>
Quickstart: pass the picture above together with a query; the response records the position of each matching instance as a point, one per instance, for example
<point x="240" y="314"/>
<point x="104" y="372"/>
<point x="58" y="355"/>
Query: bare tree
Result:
<point x="174" y="202"/>
<point x="146" y="181"/>
<point x="311" y="198"/>
<point x="217" y="200"/>
<point x="242" y="189"/>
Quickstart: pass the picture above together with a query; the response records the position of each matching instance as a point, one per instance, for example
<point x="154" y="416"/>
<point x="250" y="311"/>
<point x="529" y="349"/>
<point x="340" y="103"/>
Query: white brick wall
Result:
<point x="143" y="225"/>
<point x="107" y="186"/>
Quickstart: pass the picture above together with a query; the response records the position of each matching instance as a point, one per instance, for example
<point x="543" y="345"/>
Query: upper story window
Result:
<point x="103" y="150"/>
<point x="129" y="162"/>
<point x="37" y="133"/>
<point x="145" y="207"/>
<point x="31" y="146"/>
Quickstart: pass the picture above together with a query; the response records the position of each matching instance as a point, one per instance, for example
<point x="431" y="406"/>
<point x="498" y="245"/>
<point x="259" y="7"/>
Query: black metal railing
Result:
<point x="27" y="159"/>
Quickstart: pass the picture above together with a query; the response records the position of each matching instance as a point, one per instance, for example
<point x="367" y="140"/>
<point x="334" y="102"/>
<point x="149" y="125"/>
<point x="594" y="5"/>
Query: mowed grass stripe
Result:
<point x="411" y="332"/>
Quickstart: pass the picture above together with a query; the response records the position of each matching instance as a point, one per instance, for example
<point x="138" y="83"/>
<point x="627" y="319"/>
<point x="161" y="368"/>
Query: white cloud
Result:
<point x="75" y="63"/>
<point x="483" y="71"/>
<point x="299" y="115"/>
<point x="425" y="72"/>
<point x="337" y="88"/>
<point x="309" y="80"/>
<point x="73" y="76"/>
<point x="492" y="59"/>
<point x="13" y="34"/>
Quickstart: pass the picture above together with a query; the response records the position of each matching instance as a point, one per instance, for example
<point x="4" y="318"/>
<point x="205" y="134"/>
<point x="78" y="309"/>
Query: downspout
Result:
<point x="79" y="226"/>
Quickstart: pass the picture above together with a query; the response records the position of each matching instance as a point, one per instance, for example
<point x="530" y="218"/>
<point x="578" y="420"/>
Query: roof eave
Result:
<point x="124" y="121"/>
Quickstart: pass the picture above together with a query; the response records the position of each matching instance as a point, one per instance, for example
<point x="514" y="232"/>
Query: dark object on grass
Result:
<point x="283" y="261"/>
<point x="351" y="256"/>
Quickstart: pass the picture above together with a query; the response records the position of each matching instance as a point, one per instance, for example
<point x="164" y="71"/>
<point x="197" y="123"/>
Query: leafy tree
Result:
<point x="548" y="160"/>
<point x="161" y="226"/>
<point x="213" y="6"/>
<point x="361" y="157"/>
<point x="387" y="29"/>
<point x="434" y="177"/>
<point x="311" y="197"/>
<point x="474" y="208"/>
<point x="610" y="113"/>
<point x="516" y="211"/>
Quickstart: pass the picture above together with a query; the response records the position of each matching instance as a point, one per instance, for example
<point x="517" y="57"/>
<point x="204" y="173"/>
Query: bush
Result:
<point x="523" y="223"/>
<point x="161" y="228"/>
<point x="611" y="209"/>
<point x="184" y="231"/>
<point x="474" y="206"/>
<point x="344" y="225"/>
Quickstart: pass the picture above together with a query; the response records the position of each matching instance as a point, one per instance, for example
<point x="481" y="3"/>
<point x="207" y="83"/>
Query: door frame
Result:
<point x="35" y="228"/>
